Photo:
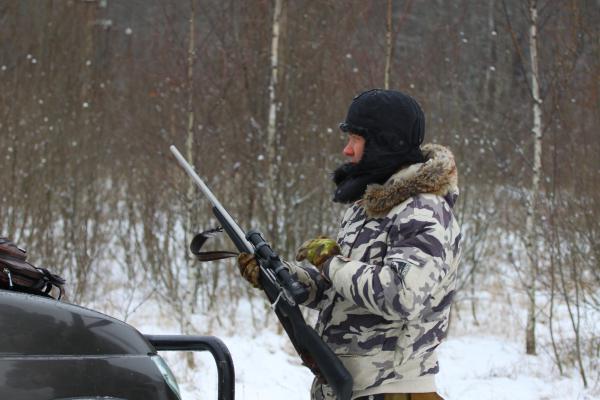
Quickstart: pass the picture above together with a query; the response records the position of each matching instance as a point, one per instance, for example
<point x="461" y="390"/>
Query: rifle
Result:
<point x="284" y="294"/>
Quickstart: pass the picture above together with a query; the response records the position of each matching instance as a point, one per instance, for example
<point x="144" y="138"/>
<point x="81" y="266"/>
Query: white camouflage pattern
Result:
<point x="387" y="307"/>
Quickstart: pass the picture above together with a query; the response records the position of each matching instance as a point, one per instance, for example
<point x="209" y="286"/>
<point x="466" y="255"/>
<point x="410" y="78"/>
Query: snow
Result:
<point x="473" y="366"/>
<point x="265" y="367"/>
<point x="480" y="360"/>
<point x="266" y="373"/>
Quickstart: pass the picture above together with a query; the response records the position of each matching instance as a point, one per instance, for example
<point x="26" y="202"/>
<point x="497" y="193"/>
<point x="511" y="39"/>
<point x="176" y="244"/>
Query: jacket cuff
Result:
<point x="332" y="265"/>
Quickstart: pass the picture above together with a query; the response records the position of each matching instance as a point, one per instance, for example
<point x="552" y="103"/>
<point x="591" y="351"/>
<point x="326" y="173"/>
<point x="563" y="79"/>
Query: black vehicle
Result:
<point x="55" y="350"/>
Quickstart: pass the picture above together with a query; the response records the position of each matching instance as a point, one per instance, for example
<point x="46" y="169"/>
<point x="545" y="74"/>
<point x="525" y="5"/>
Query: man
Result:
<point x="384" y="288"/>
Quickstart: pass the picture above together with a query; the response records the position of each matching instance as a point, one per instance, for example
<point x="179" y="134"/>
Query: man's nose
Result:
<point x="348" y="151"/>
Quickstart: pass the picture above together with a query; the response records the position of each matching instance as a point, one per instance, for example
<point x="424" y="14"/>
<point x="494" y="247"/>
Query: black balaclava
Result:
<point x="393" y="126"/>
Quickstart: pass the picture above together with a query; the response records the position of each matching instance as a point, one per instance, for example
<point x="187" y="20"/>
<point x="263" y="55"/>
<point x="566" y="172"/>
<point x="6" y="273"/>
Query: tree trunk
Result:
<point x="272" y="191"/>
<point x="193" y="273"/>
<point x="389" y="46"/>
<point x="531" y="245"/>
<point x="489" y="86"/>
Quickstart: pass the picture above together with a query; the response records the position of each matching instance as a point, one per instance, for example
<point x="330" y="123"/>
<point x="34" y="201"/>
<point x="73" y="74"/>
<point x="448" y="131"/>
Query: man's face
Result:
<point x="354" y="148"/>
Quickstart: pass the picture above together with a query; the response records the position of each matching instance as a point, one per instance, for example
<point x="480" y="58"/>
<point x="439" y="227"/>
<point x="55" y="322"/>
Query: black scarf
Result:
<point x="376" y="166"/>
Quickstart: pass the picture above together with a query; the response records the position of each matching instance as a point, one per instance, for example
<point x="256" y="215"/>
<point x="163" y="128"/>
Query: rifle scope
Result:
<point x="263" y="250"/>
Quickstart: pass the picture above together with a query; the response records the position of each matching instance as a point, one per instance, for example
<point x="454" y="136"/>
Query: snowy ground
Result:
<point x="474" y="365"/>
<point x="477" y="368"/>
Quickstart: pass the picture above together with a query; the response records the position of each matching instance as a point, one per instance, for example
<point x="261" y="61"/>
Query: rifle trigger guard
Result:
<point x="274" y="305"/>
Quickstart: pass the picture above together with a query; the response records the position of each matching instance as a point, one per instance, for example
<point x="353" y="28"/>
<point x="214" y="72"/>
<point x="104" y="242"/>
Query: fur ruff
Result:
<point x="437" y="175"/>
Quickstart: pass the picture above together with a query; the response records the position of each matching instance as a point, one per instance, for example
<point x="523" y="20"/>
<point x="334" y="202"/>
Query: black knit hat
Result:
<point x="390" y="118"/>
<point x="393" y="126"/>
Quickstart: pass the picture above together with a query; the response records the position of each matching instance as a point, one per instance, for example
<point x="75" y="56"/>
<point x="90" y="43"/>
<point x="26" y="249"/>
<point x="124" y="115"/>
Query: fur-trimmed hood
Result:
<point x="436" y="175"/>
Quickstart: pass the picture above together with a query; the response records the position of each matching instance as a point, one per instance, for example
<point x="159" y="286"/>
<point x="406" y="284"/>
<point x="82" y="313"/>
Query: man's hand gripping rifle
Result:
<point x="284" y="293"/>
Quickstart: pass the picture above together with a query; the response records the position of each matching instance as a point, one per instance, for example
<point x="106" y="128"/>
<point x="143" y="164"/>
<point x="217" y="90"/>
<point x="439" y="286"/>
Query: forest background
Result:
<point x="93" y="92"/>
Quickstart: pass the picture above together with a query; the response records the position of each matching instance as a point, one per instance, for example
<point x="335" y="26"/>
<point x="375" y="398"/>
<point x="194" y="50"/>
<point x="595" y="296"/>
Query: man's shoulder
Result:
<point x="424" y="206"/>
<point x="421" y="201"/>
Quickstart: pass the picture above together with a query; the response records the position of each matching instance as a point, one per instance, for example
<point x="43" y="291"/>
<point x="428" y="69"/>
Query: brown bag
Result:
<point x="19" y="275"/>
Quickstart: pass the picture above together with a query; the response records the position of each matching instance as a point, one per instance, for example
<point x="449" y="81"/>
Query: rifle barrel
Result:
<point x="305" y="339"/>
<point x="212" y="198"/>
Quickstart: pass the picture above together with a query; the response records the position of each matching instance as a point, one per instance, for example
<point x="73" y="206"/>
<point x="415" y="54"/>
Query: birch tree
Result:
<point x="390" y="38"/>
<point x="529" y="273"/>
<point x="532" y="197"/>
<point x="272" y="153"/>
<point x="193" y="275"/>
<point x="389" y="45"/>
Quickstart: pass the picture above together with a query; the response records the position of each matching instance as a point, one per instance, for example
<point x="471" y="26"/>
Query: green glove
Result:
<point x="317" y="251"/>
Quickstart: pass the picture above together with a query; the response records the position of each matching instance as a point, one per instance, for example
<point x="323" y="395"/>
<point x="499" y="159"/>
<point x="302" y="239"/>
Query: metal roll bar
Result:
<point x="220" y="352"/>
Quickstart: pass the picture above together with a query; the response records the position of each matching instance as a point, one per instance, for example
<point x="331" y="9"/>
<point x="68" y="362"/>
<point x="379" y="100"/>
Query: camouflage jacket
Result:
<point x="386" y="309"/>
